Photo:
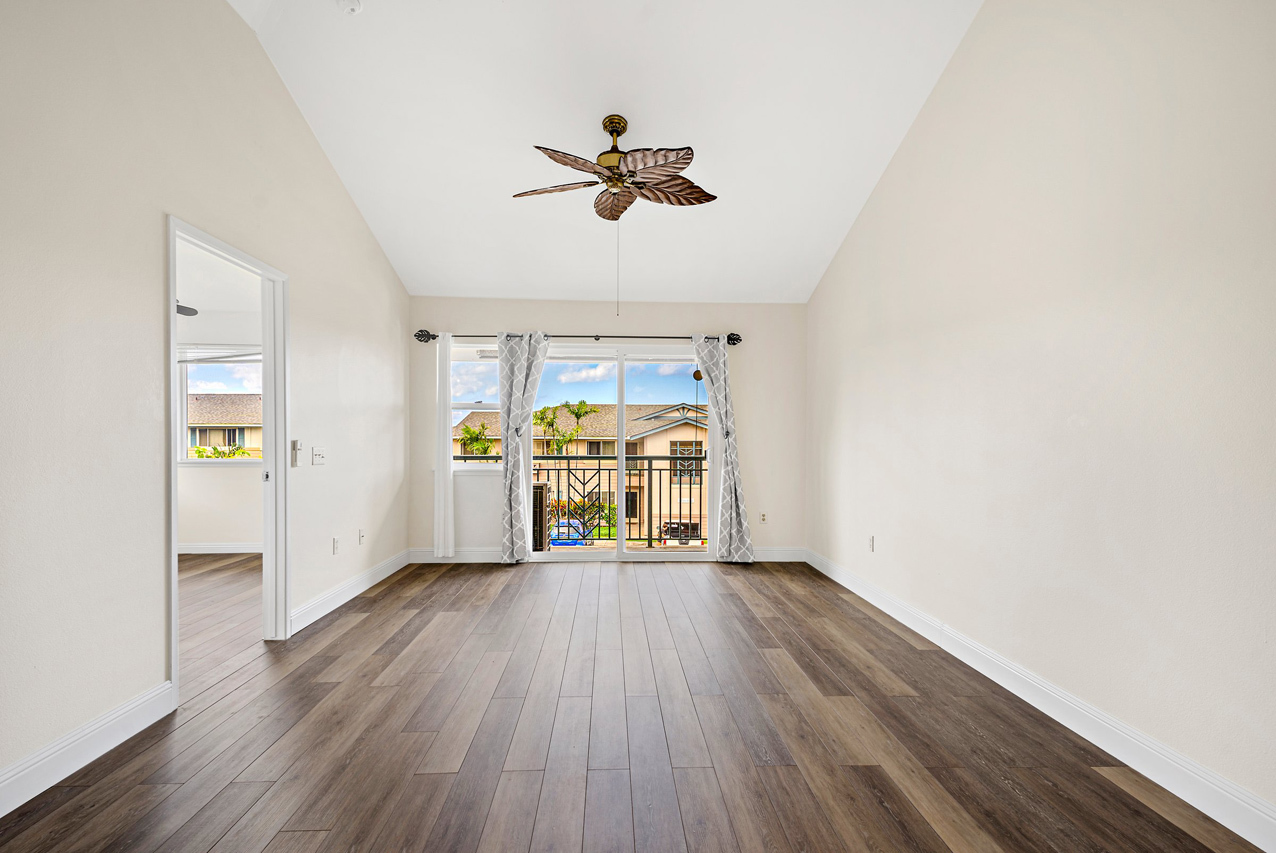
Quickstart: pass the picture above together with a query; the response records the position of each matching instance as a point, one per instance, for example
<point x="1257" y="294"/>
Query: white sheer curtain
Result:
<point x="521" y="358"/>
<point x="734" y="543"/>
<point x="444" y="522"/>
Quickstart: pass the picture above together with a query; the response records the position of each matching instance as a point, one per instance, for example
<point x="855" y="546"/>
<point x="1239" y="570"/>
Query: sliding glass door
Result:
<point x="574" y="481"/>
<point x="666" y="462"/>
<point x="620" y="445"/>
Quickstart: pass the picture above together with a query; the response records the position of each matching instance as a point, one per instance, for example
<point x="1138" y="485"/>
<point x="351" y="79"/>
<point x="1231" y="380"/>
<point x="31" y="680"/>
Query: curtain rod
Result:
<point x="425" y="336"/>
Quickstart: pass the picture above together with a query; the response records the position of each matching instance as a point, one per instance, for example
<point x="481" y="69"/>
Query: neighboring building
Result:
<point x="223" y="420"/>
<point x="665" y="446"/>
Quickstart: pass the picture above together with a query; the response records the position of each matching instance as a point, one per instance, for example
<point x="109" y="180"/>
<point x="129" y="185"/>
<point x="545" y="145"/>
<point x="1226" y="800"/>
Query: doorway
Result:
<point x="228" y="525"/>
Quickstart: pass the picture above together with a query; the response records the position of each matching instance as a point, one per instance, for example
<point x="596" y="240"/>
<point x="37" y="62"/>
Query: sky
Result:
<point x="223" y="378"/>
<point x="591" y="381"/>
<point x="476" y="381"/>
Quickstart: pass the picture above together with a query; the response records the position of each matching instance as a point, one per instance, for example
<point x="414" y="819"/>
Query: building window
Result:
<point x="686" y="470"/>
<point x="600" y="448"/>
<point x="631" y="504"/>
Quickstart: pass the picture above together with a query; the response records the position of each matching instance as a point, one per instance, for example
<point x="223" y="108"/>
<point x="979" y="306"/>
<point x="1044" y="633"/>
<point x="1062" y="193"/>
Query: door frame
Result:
<point x="276" y="567"/>
<point x="641" y="353"/>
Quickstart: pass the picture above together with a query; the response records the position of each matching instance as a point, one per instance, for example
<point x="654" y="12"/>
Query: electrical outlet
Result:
<point x="762" y="518"/>
<point x="336" y="545"/>
<point x="317" y="456"/>
<point x="870" y="543"/>
<point x="361" y="535"/>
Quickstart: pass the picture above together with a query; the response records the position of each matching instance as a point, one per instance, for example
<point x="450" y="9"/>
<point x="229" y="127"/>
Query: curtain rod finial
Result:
<point x="425" y="336"/>
<point x="733" y="339"/>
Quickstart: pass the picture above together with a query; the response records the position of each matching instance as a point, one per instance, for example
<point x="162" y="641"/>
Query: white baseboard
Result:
<point x="780" y="555"/>
<point x="21" y="781"/>
<point x="219" y="548"/>
<point x="463" y="555"/>
<point x="332" y="599"/>
<point x="493" y="555"/>
<point x="1243" y="812"/>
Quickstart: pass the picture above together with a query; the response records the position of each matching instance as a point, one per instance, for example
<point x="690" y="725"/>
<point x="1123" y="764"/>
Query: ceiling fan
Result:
<point x="648" y="173"/>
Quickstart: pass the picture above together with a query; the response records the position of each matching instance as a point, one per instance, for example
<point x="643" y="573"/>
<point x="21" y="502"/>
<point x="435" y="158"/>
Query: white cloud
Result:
<point x="590" y="373"/>
<point x="200" y="386"/>
<point x="473" y="380"/>
<point x="249" y="376"/>
<point x="674" y="369"/>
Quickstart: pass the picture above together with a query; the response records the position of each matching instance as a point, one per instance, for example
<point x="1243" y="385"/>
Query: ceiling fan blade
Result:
<point x="676" y="190"/>
<point x="574" y="162"/>
<point x="656" y="164"/>
<point x="560" y="188"/>
<point x="610" y="205"/>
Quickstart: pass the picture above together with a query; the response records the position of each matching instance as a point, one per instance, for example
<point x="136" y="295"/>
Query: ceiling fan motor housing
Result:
<point x="610" y="159"/>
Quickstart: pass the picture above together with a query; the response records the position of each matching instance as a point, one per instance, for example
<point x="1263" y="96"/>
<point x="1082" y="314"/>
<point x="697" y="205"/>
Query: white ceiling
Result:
<point x="429" y="111"/>
<point x="207" y="282"/>
<point x="227" y="297"/>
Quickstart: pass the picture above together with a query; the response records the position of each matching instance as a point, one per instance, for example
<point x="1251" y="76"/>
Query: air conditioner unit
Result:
<point x="540" y="516"/>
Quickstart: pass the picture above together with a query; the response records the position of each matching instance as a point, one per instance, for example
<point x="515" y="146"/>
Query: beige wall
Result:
<point x="658" y="444"/>
<point x="1041" y="365"/>
<point x="768" y="386"/>
<point x="114" y="115"/>
<point x="219" y="505"/>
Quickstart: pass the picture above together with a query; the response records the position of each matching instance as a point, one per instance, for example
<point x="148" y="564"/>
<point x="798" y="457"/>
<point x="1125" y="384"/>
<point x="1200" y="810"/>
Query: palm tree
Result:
<point x="547" y="419"/>
<point x="579" y="411"/>
<point x="476" y="441"/>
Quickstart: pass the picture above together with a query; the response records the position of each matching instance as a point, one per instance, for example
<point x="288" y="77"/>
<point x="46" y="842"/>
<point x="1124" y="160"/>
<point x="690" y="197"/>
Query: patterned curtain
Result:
<point x="734" y="543"/>
<point x="521" y="357"/>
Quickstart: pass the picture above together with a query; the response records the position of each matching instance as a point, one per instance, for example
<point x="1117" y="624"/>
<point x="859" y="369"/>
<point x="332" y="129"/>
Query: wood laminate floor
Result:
<point x="219" y="607"/>
<point x="612" y="707"/>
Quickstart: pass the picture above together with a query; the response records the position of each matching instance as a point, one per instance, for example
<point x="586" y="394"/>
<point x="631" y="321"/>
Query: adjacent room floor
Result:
<point x="649" y="706"/>
<point x="219" y="602"/>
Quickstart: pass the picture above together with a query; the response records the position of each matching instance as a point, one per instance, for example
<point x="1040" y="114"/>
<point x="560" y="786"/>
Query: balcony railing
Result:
<point x="582" y="501"/>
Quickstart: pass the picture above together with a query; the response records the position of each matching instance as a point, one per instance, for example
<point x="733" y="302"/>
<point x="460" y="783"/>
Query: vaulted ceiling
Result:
<point x="429" y="111"/>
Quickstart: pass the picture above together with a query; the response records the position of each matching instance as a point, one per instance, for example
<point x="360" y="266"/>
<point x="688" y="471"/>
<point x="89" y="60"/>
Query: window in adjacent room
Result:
<point x="222" y="415"/>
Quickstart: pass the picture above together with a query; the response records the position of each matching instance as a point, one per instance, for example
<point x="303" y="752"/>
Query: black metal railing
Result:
<point x="659" y="500"/>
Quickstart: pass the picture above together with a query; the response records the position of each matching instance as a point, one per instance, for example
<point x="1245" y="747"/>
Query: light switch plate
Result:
<point x="317" y="456"/>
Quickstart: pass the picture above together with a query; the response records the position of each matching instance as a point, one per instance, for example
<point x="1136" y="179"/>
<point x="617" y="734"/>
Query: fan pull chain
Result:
<point x="617" y="267"/>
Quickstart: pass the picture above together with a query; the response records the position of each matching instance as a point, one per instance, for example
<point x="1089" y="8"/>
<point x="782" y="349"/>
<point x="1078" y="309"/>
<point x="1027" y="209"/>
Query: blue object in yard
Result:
<point x="568" y="532"/>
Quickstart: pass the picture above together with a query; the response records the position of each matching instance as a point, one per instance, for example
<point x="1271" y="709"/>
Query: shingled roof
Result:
<point x="223" y="409"/>
<point x="600" y="425"/>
